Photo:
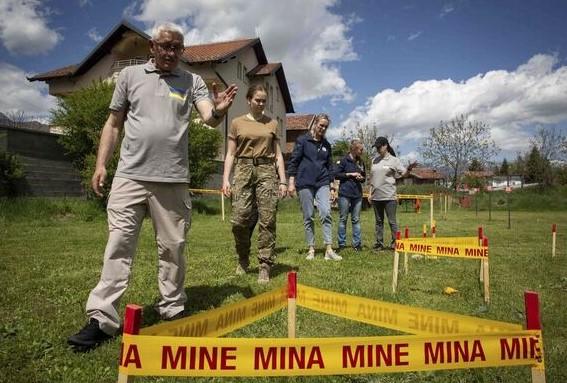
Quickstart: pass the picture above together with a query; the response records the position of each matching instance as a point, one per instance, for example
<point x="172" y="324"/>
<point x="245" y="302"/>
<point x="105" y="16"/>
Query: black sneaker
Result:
<point x="357" y="248"/>
<point x="378" y="247"/>
<point x="88" y="338"/>
<point x="341" y="248"/>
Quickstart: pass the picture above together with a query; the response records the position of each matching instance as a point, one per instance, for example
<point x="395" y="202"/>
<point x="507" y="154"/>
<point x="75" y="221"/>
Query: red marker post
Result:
<point x="132" y="322"/>
<point x="553" y="238"/>
<point x="480" y="237"/>
<point x="291" y="303"/>
<point x="424" y="231"/>
<point x="433" y="229"/>
<point x="406" y="236"/>
<point x="485" y="276"/>
<point x="533" y="322"/>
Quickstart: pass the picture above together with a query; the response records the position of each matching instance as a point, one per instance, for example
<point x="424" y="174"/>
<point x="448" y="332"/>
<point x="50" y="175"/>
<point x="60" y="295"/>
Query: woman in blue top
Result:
<point x="351" y="173"/>
<point x="310" y="172"/>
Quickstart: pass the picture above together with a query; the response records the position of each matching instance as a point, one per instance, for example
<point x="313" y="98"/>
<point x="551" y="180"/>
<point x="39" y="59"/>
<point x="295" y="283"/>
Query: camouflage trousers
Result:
<point x="255" y="198"/>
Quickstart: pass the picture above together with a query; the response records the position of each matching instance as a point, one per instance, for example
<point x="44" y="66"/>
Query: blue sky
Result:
<point x="400" y="65"/>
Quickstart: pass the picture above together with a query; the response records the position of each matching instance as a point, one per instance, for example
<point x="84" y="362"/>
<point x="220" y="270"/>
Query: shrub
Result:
<point x="82" y="116"/>
<point x="11" y="171"/>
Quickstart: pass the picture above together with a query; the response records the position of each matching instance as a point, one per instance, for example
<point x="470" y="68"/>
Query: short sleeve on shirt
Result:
<point x="232" y="132"/>
<point x="120" y="96"/>
<point x="200" y="90"/>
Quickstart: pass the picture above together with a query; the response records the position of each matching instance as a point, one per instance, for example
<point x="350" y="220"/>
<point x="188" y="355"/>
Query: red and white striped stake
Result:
<point x="424" y="231"/>
<point x="553" y="238"/>
<point x="291" y="303"/>
<point x="533" y="322"/>
<point x="406" y="232"/>
<point x="132" y="322"/>
<point x="433" y="229"/>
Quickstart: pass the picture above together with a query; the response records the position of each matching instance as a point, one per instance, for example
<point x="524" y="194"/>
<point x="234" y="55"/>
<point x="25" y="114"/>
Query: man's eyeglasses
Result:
<point x="166" y="47"/>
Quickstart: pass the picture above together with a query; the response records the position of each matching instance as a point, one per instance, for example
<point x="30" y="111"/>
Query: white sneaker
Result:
<point x="310" y="255"/>
<point x="330" y="255"/>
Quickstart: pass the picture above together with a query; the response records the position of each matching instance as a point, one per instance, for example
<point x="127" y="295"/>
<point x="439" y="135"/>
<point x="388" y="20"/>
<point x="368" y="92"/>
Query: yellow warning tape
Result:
<point x="223" y="357"/>
<point x="441" y="249"/>
<point x="206" y="191"/>
<point x="464" y="241"/>
<point x="223" y="320"/>
<point x="414" y="196"/>
<point x="394" y="316"/>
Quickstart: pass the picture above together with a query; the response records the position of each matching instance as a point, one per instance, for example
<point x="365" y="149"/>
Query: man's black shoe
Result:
<point x="179" y="315"/>
<point x="357" y="248"/>
<point x="341" y="248"/>
<point x="88" y="338"/>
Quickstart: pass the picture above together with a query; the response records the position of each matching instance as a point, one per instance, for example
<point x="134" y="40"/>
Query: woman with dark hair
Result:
<point x="386" y="168"/>
<point x="310" y="169"/>
<point x="254" y="149"/>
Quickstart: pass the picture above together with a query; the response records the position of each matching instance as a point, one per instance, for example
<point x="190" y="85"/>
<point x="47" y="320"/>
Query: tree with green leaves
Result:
<point x="476" y="165"/>
<point x="504" y="168"/>
<point x="455" y="143"/>
<point x="340" y="149"/>
<point x="538" y="169"/>
<point x="82" y="116"/>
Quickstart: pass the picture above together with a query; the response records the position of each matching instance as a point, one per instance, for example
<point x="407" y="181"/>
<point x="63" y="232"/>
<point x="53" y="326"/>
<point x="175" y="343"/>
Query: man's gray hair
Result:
<point x="166" y="27"/>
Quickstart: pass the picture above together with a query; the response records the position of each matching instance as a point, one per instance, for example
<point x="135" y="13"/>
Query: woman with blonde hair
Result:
<point x="310" y="172"/>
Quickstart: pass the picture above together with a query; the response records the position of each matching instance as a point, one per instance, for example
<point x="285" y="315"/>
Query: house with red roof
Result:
<point x="242" y="62"/>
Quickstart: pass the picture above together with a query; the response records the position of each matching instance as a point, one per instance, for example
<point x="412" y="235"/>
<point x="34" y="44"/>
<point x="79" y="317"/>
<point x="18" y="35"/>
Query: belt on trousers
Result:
<point x="255" y="161"/>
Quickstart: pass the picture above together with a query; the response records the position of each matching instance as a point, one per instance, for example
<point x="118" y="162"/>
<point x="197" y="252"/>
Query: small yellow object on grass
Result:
<point x="450" y="291"/>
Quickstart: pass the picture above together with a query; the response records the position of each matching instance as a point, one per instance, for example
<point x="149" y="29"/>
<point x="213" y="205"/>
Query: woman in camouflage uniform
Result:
<point x="254" y="149"/>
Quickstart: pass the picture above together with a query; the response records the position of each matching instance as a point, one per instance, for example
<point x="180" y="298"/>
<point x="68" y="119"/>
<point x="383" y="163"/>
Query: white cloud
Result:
<point x="306" y="37"/>
<point x="24" y="29"/>
<point x="414" y="36"/>
<point x="510" y="102"/>
<point x="83" y="3"/>
<point x="94" y="35"/>
<point x="447" y="8"/>
<point x="30" y="97"/>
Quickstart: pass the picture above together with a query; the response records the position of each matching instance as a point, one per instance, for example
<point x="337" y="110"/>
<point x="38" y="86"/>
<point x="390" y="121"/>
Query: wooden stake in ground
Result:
<point x="291" y="303"/>
<point x="553" y="239"/>
<point x="533" y="322"/>
<point x="433" y="229"/>
<point x="396" y="264"/>
<point x="431" y="211"/>
<point x="424" y="231"/>
<point x="222" y="205"/>
<point x="132" y="322"/>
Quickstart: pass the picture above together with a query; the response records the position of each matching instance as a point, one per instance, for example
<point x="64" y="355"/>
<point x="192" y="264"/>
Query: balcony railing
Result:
<point x="118" y="65"/>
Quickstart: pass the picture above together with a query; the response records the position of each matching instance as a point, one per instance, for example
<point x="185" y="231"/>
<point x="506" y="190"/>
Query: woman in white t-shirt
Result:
<point x="386" y="169"/>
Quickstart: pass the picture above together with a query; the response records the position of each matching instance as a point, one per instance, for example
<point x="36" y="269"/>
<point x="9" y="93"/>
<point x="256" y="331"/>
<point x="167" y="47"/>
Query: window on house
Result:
<point x="277" y="94"/>
<point x="239" y="71"/>
<point x="244" y="77"/>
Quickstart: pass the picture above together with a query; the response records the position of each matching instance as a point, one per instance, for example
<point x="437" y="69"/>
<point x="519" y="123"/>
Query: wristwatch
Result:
<point x="216" y="115"/>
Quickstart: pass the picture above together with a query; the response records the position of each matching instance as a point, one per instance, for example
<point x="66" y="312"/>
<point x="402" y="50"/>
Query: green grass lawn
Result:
<point x="51" y="256"/>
